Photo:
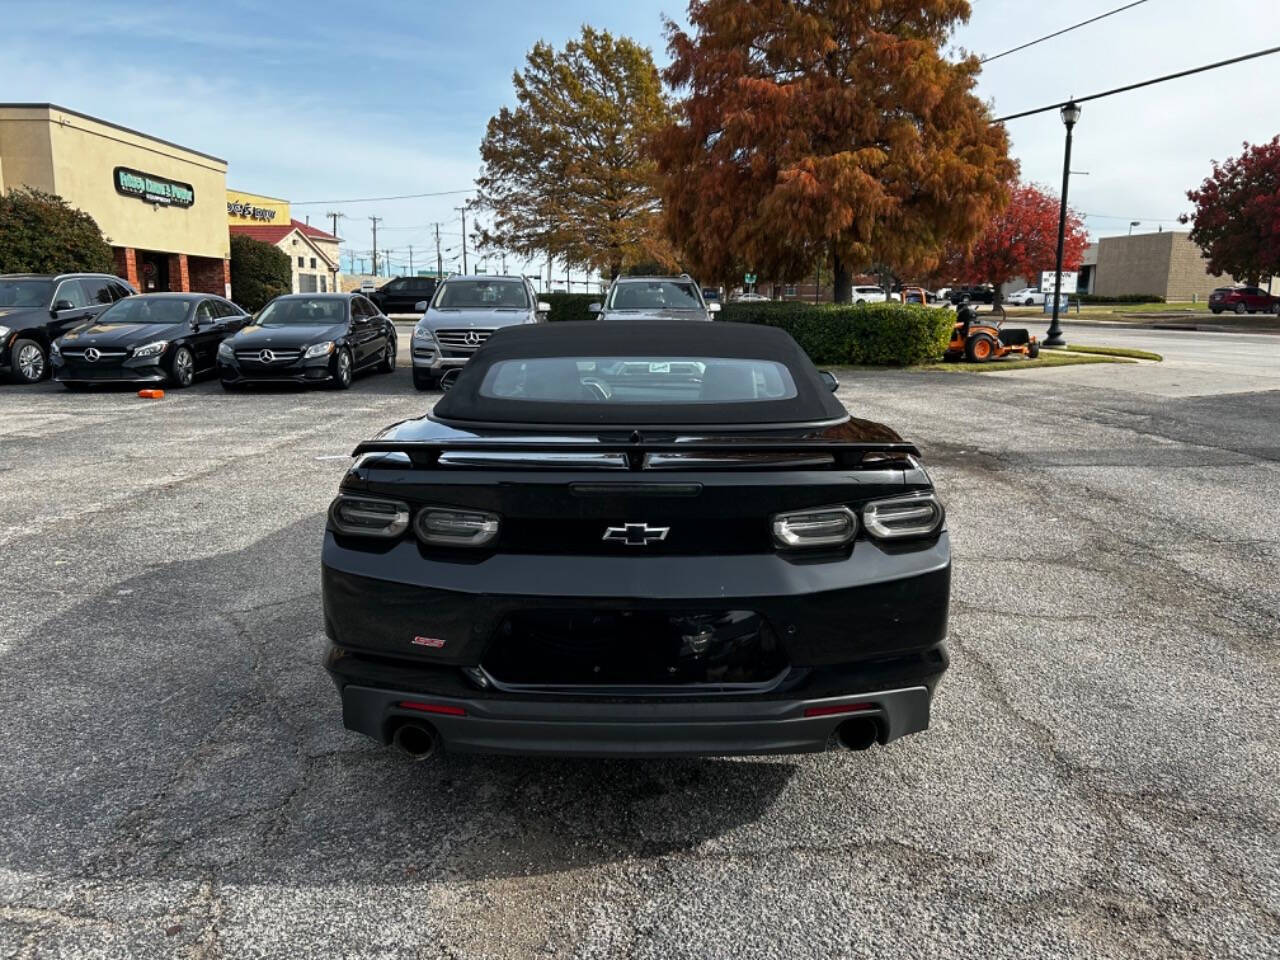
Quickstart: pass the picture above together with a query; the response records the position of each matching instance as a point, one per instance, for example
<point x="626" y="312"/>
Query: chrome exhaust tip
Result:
<point x="417" y="741"/>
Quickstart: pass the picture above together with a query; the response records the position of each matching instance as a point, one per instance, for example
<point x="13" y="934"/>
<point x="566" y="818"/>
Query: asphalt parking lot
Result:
<point x="1100" y="778"/>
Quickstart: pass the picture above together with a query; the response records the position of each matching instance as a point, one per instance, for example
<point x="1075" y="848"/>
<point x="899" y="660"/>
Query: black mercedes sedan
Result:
<point x="309" y="338"/>
<point x="636" y="539"/>
<point x="166" y="338"/>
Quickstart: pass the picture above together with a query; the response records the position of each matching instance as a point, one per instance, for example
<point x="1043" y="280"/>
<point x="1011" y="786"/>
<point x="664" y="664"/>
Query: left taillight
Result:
<point x="369" y="516"/>
<point x="822" y="527"/>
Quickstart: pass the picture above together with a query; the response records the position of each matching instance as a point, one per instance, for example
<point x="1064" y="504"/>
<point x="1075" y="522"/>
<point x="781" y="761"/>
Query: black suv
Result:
<point x="36" y="309"/>
<point x="402" y="294"/>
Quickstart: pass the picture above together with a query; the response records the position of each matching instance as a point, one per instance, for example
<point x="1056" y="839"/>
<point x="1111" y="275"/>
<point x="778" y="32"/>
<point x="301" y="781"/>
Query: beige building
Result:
<point x="161" y="206"/>
<point x="1165" y="264"/>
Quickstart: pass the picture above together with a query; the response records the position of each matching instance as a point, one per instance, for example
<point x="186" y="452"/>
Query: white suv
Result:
<point x="868" y="295"/>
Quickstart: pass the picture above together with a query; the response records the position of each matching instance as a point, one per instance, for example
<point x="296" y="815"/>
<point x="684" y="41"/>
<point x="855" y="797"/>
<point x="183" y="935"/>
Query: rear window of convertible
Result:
<point x="621" y="380"/>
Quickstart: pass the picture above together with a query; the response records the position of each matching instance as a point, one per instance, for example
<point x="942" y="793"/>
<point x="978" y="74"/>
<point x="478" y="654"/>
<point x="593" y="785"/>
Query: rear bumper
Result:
<point x="635" y="729"/>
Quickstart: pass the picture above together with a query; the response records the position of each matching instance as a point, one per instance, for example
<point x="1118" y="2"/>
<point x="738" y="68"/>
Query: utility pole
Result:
<point x="463" y="210"/>
<point x="504" y="263"/>
<point x="335" y="217"/>
<point x="411" y="259"/>
<point x="374" y="221"/>
<point x="439" y="259"/>
<point x="386" y="259"/>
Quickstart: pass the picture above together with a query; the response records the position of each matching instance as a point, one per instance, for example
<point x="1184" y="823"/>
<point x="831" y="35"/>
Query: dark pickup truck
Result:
<point x="402" y="294"/>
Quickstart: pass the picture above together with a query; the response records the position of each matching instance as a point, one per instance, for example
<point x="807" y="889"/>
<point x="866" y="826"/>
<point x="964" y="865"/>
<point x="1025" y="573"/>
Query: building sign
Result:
<point x="1068" y="282"/>
<point x="153" y="189"/>
<point x="248" y="211"/>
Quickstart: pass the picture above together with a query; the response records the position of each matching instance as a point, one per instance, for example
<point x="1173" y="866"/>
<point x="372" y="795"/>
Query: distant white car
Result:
<point x="868" y="295"/>
<point x="1026" y="297"/>
<point x="750" y="298"/>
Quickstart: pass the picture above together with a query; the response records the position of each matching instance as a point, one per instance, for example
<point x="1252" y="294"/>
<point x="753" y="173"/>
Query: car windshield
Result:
<point x="639" y="380"/>
<point x="146" y="310"/>
<point x="482" y="294"/>
<point x="655" y="295"/>
<point x="25" y="293"/>
<point x="313" y="310"/>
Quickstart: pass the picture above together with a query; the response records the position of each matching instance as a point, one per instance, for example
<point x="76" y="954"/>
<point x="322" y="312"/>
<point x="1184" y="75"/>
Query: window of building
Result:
<point x="302" y="261"/>
<point x="324" y="284"/>
<point x="307" y="283"/>
<point x="313" y="263"/>
<point x="789" y="290"/>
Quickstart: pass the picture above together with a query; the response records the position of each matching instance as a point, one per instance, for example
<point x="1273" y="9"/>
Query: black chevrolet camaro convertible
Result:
<point x="637" y="539"/>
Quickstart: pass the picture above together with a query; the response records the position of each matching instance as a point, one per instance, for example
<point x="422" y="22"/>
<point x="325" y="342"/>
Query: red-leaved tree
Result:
<point x="1236" y="222"/>
<point x="1021" y="241"/>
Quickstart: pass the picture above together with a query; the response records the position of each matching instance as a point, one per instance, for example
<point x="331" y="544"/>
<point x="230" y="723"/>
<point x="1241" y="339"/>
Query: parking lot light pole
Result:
<point x="1070" y="114"/>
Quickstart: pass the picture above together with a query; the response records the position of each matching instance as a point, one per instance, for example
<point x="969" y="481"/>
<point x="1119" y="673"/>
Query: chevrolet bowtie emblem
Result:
<point x="636" y="534"/>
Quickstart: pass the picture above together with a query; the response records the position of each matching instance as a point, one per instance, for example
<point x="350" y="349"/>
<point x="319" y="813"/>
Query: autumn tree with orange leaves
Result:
<point x="815" y="130"/>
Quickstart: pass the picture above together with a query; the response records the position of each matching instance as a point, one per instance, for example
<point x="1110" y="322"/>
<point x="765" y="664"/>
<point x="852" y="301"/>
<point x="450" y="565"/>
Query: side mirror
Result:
<point x="713" y="307"/>
<point x="595" y="308"/>
<point x="830" y="380"/>
<point x="544" y="307"/>
<point x="60" y="305"/>
<point x="421" y="306"/>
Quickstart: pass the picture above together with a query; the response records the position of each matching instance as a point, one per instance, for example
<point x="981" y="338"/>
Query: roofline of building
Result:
<point x="261" y="196"/>
<point x="108" y="123"/>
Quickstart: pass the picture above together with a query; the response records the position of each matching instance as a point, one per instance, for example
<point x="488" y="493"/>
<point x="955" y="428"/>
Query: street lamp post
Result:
<point x="1070" y="114"/>
<point x="1132" y="224"/>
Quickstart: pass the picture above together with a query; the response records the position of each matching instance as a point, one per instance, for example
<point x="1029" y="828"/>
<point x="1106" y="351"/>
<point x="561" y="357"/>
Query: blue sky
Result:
<point x="328" y="101"/>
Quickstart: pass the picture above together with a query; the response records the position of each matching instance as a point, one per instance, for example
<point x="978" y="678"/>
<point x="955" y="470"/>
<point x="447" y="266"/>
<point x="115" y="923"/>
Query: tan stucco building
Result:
<point x="1165" y="264"/>
<point x="161" y="206"/>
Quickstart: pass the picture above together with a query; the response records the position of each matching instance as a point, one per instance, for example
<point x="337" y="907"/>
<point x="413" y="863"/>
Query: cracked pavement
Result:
<point x="1100" y="778"/>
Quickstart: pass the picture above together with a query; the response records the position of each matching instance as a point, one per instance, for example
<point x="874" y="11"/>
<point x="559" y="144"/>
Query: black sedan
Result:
<point x="637" y="539"/>
<point x="163" y="338"/>
<point x="310" y="338"/>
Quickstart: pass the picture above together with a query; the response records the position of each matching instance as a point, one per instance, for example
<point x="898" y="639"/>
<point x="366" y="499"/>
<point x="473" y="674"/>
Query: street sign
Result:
<point x="367" y="286"/>
<point x="1068" y="282"/>
<point x="749" y="278"/>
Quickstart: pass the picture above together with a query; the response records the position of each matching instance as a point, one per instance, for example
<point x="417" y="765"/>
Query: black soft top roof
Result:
<point x="813" y="402"/>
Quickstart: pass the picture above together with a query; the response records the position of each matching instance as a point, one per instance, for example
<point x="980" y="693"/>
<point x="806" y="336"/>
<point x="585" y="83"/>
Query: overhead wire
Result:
<point x="1058" y="33"/>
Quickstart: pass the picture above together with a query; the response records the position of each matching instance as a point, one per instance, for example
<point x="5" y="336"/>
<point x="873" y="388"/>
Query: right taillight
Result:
<point x="447" y="527"/>
<point x="915" y="515"/>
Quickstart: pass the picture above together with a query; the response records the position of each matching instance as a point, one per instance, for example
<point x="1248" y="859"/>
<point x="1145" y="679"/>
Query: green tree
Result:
<point x="259" y="272"/>
<point x="566" y="173"/>
<point x="826" y="128"/>
<point x="41" y="233"/>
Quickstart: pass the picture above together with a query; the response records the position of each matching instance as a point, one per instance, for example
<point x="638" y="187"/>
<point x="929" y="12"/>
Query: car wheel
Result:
<point x="342" y="369"/>
<point x="388" y="364"/>
<point x="1241" y="308"/>
<point x="30" y="362"/>
<point x="424" y="381"/>
<point x="980" y="348"/>
<point x="1275" y="308"/>
<point x="1215" y="310"/>
<point x="1033" y="350"/>
<point x="182" y="368"/>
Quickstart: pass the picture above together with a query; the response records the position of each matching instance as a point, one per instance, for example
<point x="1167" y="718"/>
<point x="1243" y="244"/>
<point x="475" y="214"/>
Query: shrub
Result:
<point x="873" y="334"/>
<point x="41" y="233"/>
<point x="1123" y="298"/>
<point x="259" y="272"/>
<point x="571" y="306"/>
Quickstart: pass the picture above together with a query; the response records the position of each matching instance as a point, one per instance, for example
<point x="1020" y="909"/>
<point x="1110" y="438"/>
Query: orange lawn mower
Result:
<point x="980" y="340"/>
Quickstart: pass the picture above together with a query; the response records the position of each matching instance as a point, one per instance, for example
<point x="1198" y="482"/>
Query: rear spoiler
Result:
<point x="637" y="455"/>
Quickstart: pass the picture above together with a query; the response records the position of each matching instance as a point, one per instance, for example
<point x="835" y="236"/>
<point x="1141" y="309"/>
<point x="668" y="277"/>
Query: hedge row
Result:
<point x="871" y="334"/>
<point x="1124" y="298"/>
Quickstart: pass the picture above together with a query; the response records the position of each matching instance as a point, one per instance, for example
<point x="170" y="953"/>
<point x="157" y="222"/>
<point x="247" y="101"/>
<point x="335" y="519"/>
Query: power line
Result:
<point x="1144" y="83"/>
<point x="403" y="196"/>
<point x="1058" y="33"/>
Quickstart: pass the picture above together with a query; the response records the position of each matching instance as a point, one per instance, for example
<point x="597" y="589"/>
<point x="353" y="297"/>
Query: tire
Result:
<point x="342" y="371"/>
<point x="1215" y="310"/>
<point x="1033" y="350"/>
<point x="980" y="348"/>
<point x="388" y="362"/>
<point x="182" y="368"/>
<point x="30" y="361"/>
<point x="424" y="381"/>
<point x="1241" y="309"/>
<point x="1275" y="308"/>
